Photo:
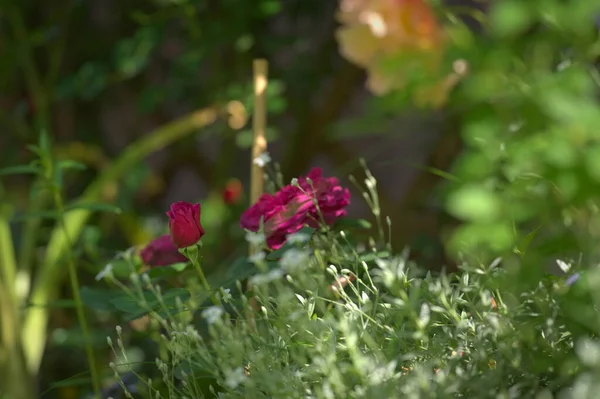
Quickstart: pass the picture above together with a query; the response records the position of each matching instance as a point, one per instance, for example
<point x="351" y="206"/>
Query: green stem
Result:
<point x="50" y="274"/>
<point x="29" y="236"/>
<point x="196" y="262"/>
<point x="58" y="202"/>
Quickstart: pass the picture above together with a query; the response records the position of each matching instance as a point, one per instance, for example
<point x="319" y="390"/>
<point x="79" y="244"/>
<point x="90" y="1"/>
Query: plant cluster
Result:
<point x="323" y="318"/>
<point x="324" y="306"/>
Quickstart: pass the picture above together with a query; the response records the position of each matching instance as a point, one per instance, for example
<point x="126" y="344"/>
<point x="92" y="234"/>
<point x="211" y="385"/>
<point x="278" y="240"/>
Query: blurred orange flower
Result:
<point x="391" y="39"/>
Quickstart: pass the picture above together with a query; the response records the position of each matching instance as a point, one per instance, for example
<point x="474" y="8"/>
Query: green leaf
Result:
<point x="270" y="7"/>
<point x="131" y="55"/>
<point x="170" y="270"/>
<point x="526" y="241"/>
<point x="36" y="215"/>
<point x="44" y="144"/>
<point x="68" y="164"/>
<point x="98" y="298"/>
<point x="239" y="269"/>
<point x="122" y="268"/>
<point x="510" y="17"/>
<point x="71" y="382"/>
<point x="97" y="207"/>
<point x="133" y="306"/>
<point x="127" y="304"/>
<point x="20" y="169"/>
<point x="481" y="238"/>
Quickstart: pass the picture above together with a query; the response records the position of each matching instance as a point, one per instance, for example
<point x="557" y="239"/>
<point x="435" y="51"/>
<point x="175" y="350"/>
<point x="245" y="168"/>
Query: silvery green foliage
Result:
<point x="392" y="332"/>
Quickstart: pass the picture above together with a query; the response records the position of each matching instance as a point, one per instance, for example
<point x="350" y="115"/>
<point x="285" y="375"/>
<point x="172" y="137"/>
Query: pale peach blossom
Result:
<point x="378" y="33"/>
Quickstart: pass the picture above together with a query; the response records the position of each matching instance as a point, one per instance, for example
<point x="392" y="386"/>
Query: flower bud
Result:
<point x="184" y="224"/>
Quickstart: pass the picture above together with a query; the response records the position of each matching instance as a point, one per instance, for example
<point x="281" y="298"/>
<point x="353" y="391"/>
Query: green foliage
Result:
<point x="524" y="190"/>
<point x="394" y="331"/>
<point x="529" y="132"/>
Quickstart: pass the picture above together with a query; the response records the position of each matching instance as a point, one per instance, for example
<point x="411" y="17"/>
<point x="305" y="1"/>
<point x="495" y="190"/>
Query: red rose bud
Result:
<point x="184" y="224"/>
<point x="232" y="192"/>
<point x="161" y="252"/>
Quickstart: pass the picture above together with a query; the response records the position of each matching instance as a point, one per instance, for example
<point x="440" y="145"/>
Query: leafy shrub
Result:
<point x="328" y="320"/>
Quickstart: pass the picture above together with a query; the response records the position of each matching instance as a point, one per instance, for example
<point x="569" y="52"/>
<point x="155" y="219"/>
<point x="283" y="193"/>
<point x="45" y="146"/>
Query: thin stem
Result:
<point x="50" y="273"/>
<point x="203" y="279"/>
<point x="77" y="297"/>
<point x="29" y="236"/>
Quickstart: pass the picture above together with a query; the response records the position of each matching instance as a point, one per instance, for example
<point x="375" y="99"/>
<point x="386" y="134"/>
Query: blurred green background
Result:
<point x="100" y="76"/>
<point x="109" y="80"/>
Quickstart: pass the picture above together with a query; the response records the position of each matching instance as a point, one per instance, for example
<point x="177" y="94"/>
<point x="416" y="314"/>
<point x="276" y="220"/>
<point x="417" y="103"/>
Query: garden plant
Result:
<point x="273" y="287"/>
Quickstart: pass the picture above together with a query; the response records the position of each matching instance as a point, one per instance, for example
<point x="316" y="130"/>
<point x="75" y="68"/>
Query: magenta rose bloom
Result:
<point x="332" y="199"/>
<point x="292" y="207"/>
<point x="279" y="219"/>
<point x="161" y="252"/>
<point x="184" y="224"/>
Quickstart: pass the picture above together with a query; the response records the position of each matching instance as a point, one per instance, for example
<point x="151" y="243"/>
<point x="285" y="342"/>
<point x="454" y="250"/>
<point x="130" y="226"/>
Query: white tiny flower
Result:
<point x="257" y="257"/>
<point x="255" y="238"/>
<point x="233" y="378"/>
<point x="125" y="254"/>
<point x="294" y="182"/>
<point x="226" y="294"/>
<point x="262" y="160"/>
<point x="424" y="315"/>
<point x="331" y="269"/>
<point x="106" y="272"/>
<point x="515" y="126"/>
<point x="261" y="279"/>
<point x="275" y="274"/>
<point x="564" y="266"/>
<point x="370" y="183"/>
<point x="298" y="238"/>
<point x="381" y="374"/>
<point x="212" y="314"/>
<point x="563" y="65"/>
<point x="293" y="258"/>
<point x="382" y="263"/>
<point x="364" y="297"/>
